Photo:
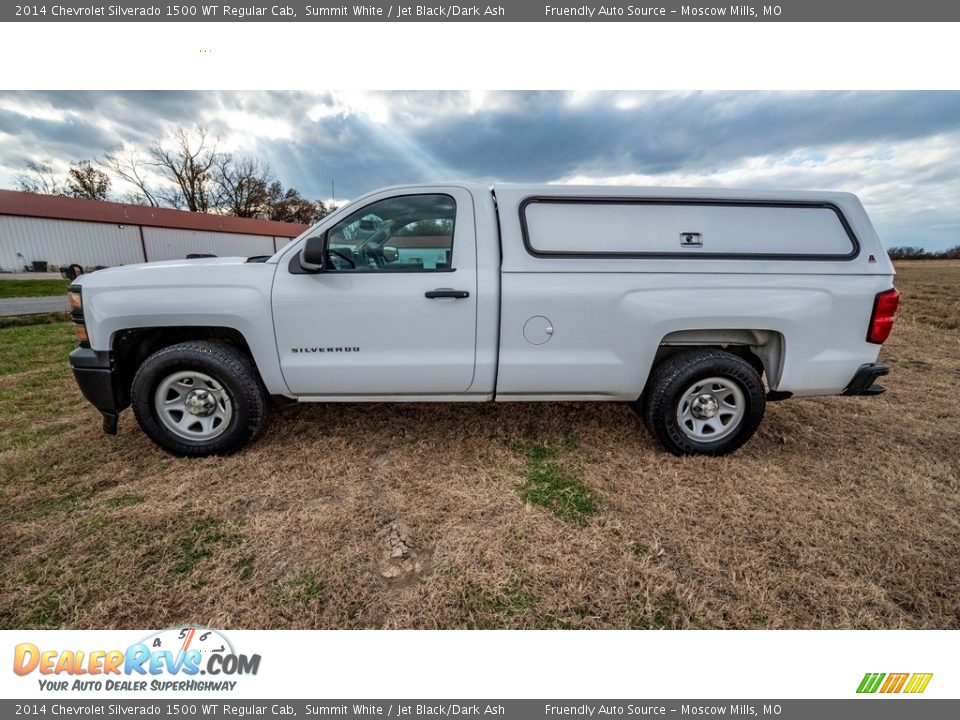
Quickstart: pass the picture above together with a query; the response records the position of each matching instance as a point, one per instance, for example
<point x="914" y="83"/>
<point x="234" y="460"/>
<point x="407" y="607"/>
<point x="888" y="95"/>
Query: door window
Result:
<point x="409" y="233"/>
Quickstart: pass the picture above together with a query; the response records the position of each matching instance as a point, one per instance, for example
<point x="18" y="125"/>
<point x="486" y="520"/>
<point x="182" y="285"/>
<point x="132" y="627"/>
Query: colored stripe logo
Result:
<point x="913" y="683"/>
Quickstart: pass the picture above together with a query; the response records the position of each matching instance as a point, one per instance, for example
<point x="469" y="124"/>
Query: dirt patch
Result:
<point x="399" y="555"/>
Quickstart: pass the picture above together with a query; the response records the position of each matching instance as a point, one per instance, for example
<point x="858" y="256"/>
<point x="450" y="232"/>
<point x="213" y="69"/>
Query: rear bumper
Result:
<point x="97" y="380"/>
<point x="863" y="382"/>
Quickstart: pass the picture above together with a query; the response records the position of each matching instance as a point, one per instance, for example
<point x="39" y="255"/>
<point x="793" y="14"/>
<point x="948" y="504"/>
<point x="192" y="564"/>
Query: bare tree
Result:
<point x="185" y="170"/>
<point x="243" y="185"/>
<point x="87" y="182"/>
<point x="188" y="162"/>
<point x="128" y="164"/>
<point x="39" y="178"/>
<point x="321" y="210"/>
<point x="907" y="252"/>
<point x="290" y="206"/>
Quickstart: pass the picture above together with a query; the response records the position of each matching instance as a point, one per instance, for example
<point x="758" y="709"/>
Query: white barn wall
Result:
<point x="174" y="244"/>
<point x="62" y="242"/>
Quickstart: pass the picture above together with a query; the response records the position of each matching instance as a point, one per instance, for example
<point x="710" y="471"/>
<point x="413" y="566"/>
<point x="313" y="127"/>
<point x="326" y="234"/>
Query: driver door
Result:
<point x="394" y="310"/>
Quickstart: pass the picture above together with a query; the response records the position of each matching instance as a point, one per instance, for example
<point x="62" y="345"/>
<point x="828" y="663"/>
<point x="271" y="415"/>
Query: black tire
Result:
<point x="228" y="366"/>
<point x="673" y="377"/>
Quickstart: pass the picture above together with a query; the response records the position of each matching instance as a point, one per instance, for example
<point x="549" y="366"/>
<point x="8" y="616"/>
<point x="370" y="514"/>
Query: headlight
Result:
<point x="75" y="298"/>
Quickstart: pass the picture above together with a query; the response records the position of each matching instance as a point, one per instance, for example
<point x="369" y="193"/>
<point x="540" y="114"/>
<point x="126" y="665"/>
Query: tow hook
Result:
<point x="110" y="420"/>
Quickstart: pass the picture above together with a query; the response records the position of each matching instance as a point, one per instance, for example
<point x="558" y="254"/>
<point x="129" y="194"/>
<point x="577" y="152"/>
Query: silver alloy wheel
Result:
<point x="193" y="406"/>
<point x="711" y="409"/>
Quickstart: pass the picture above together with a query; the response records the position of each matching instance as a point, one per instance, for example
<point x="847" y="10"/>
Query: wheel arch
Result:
<point x="130" y="347"/>
<point x="764" y="349"/>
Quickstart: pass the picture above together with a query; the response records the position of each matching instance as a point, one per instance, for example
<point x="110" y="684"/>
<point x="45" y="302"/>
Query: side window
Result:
<point x="409" y="233"/>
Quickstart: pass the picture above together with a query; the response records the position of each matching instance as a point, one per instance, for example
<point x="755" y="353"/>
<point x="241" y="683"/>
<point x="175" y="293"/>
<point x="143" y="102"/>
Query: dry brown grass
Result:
<point x="841" y="513"/>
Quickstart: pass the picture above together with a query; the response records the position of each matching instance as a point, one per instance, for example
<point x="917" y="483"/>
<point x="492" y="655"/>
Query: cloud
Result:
<point x="897" y="150"/>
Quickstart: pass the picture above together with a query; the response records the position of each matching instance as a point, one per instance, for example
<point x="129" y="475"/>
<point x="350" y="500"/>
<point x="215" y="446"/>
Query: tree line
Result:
<point x="909" y="252"/>
<point x="186" y="171"/>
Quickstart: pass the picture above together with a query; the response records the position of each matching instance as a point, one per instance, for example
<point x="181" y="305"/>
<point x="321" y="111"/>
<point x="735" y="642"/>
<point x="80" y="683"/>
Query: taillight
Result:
<point x="881" y="321"/>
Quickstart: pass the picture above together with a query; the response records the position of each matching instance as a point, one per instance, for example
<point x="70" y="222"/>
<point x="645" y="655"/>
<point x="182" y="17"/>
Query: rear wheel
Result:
<point x="199" y="398"/>
<point x="703" y="402"/>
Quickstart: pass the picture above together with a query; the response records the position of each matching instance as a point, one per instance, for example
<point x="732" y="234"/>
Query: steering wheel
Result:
<point x="343" y="257"/>
<point x="373" y="245"/>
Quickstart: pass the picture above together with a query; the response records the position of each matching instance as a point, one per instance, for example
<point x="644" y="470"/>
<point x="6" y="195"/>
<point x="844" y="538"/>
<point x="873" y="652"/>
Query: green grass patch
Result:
<point x="45" y="287"/>
<point x="46" y="611"/>
<point x="34" y="370"/>
<point x="30" y="347"/>
<point x="67" y="502"/>
<point x="90" y="525"/>
<point x="124" y="500"/>
<point x="244" y="567"/>
<point x="198" y="542"/>
<point x="499" y="607"/>
<point x="511" y="601"/>
<point x="59" y="468"/>
<point x="31" y="437"/>
<point x="547" y="484"/>
<point x="661" y="613"/>
<point x="41" y="319"/>
<point x="304" y="588"/>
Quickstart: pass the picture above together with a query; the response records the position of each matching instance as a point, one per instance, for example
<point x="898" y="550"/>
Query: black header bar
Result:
<point x="506" y="11"/>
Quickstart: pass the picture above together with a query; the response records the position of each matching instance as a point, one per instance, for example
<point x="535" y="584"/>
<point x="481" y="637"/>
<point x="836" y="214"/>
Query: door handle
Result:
<point x="446" y="293"/>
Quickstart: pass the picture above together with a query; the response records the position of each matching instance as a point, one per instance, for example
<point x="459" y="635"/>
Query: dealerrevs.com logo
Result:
<point x="179" y="659"/>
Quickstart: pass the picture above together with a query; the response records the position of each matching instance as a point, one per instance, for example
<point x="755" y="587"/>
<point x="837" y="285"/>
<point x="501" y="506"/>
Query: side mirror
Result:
<point x="390" y="253"/>
<point x="314" y="253"/>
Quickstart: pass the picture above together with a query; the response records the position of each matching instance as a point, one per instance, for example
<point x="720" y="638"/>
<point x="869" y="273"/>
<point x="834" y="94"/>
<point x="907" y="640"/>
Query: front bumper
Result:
<point x="99" y="384"/>
<point x="863" y="381"/>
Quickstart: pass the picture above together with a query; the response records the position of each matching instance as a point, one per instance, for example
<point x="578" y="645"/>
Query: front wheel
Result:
<point x="199" y="398"/>
<point x="703" y="402"/>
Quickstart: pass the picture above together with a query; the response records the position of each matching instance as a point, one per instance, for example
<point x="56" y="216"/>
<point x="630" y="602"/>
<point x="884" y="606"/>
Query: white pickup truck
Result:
<point x="696" y="306"/>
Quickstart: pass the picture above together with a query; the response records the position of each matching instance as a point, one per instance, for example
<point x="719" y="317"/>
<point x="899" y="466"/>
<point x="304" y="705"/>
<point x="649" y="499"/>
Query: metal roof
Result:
<point x="66" y="208"/>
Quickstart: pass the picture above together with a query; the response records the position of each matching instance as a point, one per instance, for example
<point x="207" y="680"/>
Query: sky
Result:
<point x="899" y="151"/>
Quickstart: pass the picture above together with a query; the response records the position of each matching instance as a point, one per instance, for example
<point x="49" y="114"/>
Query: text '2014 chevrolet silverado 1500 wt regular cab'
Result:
<point x="697" y="306"/>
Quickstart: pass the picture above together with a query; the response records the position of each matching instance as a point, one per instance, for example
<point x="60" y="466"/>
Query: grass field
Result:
<point x="840" y="513"/>
<point x="32" y="288"/>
